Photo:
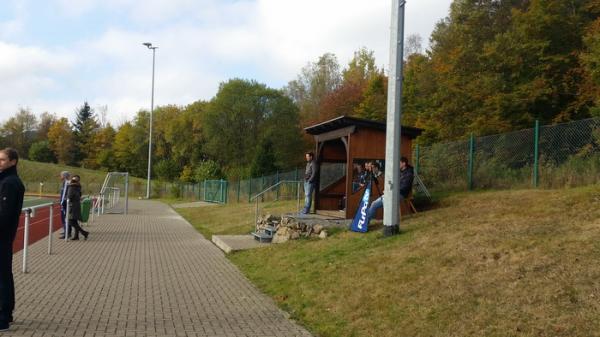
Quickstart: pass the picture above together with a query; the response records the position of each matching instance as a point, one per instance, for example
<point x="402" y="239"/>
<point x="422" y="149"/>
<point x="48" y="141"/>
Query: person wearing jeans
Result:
<point x="310" y="179"/>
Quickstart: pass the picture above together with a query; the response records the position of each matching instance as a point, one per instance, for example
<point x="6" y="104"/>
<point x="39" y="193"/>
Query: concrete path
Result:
<point x="145" y="274"/>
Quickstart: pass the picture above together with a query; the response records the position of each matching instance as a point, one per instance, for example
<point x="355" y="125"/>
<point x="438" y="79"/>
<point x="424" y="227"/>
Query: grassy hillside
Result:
<point x="32" y="173"/>
<point x="510" y="263"/>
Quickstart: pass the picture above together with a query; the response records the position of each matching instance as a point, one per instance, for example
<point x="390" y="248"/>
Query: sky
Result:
<point x="56" y="54"/>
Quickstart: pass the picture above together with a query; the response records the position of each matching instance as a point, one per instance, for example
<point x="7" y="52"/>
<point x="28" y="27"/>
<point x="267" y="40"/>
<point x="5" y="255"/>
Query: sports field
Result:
<point x="39" y="222"/>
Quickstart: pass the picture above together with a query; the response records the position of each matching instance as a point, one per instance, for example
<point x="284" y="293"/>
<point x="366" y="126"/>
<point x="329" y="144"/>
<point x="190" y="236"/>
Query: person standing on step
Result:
<point x="310" y="181"/>
<point x="65" y="177"/>
<point x="11" y="204"/>
<point x="74" y="200"/>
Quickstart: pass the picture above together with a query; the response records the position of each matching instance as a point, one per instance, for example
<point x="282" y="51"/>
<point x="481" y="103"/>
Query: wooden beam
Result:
<point x="335" y="134"/>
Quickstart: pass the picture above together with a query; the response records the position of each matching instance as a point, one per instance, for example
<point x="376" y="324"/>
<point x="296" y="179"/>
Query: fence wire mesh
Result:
<point x="568" y="156"/>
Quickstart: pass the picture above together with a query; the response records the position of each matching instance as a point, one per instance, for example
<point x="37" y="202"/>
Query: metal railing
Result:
<point x="271" y="188"/>
<point x="29" y="213"/>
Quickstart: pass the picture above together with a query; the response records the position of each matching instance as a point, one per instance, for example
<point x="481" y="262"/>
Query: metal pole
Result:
<point x="50" y="225"/>
<point x="536" y="154"/>
<point x="239" y="189"/>
<point x="471" y="161"/>
<point x="256" y="216"/>
<point x="391" y="220"/>
<point x="298" y="195"/>
<point x="277" y="182"/>
<point x="126" y="192"/>
<point x="67" y="221"/>
<point x="150" y="133"/>
<point x="26" y="239"/>
<point x="417" y="154"/>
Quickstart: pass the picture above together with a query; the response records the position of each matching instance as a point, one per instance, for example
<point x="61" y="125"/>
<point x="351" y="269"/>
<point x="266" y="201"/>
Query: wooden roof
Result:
<point x="345" y="121"/>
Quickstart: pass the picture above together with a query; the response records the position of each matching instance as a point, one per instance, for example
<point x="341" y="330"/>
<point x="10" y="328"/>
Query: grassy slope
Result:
<point x="230" y="219"/>
<point x="511" y="263"/>
<point x="32" y="173"/>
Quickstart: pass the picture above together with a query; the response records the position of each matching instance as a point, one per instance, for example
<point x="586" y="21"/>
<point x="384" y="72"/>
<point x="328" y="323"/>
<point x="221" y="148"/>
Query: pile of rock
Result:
<point x="288" y="228"/>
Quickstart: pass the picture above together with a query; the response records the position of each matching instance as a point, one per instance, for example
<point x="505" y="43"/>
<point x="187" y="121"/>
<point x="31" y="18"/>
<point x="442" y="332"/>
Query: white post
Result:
<point x="26" y="239"/>
<point x="67" y="221"/>
<point x="391" y="220"/>
<point x="50" y="225"/>
<point x="150" y="133"/>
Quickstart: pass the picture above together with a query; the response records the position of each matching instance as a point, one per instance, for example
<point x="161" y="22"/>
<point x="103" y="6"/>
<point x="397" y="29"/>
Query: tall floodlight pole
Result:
<point x="391" y="218"/>
<point x="149" y="45"/>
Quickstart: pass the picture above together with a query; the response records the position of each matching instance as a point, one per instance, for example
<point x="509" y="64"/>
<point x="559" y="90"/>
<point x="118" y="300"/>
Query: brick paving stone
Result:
<point x="149" y="273"/>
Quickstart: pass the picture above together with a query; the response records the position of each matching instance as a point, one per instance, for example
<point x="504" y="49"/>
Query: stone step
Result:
<point x="269" y="230"/>
<point x="262" y="236"/>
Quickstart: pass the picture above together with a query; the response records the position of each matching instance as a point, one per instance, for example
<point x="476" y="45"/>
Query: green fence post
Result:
<point x="239" y="189"/>
<point x="471" y="159"/>
<point x="277" y="182"/>
<point x="249" y="189"/>
<point x="226" y="191"/>
<point x="536" y="153"/>
<point x="204" y="190"/>
<point x="262" y="188"/>
<point x="297" y="177"/>
<point x="417" y="159"/>
<point x="223" y="198"/>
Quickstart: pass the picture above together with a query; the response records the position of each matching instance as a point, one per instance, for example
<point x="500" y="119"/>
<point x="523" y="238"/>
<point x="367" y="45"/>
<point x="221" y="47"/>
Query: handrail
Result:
<point x="269" y="189"/>
<point x="28" y="214"/>
<point x="273" y="186"/>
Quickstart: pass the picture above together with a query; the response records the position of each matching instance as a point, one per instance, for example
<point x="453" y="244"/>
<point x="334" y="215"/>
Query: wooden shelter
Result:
<point x="343" y="144"/>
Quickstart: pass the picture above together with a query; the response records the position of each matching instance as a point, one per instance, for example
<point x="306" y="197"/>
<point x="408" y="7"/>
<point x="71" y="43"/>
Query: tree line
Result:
<point x="492" y="66"/>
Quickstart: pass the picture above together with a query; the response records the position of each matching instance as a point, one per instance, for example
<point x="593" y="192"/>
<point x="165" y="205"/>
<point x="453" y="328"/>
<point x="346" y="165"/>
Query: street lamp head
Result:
<point x="147" y="44"/>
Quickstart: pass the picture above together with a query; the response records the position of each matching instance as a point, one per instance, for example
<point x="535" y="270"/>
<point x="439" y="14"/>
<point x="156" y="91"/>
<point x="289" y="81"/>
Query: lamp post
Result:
<point x="149" y="45"/>
<point x="391" y="220"/>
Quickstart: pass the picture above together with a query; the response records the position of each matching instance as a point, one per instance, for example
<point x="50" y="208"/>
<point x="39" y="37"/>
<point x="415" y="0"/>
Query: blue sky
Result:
<point x="54" y="54"/>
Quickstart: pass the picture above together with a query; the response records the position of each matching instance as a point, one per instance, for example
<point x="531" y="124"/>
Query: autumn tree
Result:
<point x="19" y="131"/>
<point x="61" y="141"/>
<point x="84" y="129"/>
<point x="313" y="84"/>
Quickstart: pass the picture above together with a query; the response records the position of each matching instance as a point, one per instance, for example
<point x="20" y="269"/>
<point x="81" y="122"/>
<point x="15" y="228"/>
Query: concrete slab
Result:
<point x="232" y="243"/>
<point x="194" y="204"/>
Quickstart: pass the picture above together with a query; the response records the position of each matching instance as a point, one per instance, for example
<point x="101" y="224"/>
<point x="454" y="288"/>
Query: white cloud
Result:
<point x="201" y="43"/>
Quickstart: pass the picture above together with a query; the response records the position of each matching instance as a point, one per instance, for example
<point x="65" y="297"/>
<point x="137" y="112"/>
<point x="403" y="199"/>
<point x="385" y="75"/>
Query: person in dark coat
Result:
<point x="74" y="199"/>
<point x="11" y="204"/>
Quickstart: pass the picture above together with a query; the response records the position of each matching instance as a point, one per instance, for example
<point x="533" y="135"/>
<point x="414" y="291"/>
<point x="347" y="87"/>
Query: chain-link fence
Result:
<point x="553" y="156"/>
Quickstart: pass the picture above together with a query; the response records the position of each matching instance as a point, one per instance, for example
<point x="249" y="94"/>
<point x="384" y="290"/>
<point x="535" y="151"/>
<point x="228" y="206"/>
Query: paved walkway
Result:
<point x="146" y="274"/>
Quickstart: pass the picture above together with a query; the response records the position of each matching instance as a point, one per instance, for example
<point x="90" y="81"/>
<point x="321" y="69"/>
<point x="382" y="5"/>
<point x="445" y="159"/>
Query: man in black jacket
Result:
<point x="11" y="203"/>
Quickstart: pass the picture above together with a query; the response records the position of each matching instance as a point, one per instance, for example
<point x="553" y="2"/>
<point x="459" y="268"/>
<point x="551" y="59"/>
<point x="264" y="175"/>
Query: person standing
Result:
<point x="74" y="200"/>
<point x="65" y="176"/>
<point x="11" y="203"/>
<point x="310" y="181"/>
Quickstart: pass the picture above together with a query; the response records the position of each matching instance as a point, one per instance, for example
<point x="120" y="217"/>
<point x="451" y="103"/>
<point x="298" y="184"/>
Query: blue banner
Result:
<point x="361" y="220"/>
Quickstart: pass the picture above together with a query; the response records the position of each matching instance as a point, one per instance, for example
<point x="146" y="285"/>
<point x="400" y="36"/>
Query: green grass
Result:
<point x="510" y="263"/>
<point x="34" y="201"/>
<point x="231" y="218"/>
<point x="33" y="173"/>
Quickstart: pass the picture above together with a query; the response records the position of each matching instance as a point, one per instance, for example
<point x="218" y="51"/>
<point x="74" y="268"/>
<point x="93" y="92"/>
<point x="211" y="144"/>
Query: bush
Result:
<point x="166" y="170"/>
<point x="208" y="170"/>
<point x="40" y="151"/>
